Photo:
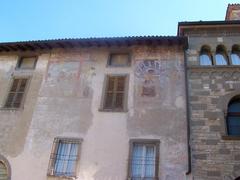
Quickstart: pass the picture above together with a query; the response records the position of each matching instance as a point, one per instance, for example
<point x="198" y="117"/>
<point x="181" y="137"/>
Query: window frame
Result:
<point x="231" y="114"/>
<point x="156" y="143"/>
<point x="24" y="94"/>
<point x="235" y="50"/>
<point x="221" y="50"/>
<point x="104" y="93"/>
<point x="53" y="156"/>
<point x="119" y="53"/>
<point x="205" y="50"/>
<point x="20" y="60"/>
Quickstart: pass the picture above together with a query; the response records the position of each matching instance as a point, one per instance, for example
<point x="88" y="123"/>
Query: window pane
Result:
<point x="114" y="97"/>
<point x="220" y="59"/>
<point x="119" y="100"/>
<point x="27" y="63"/>
<point x="205" y="60"/>
<point x="119" y="60"/>
<point x="235" y="59"/>
<point x="234" y="107"/>
<point x="59" y="163"/>
<point x="15" y="84"/>
<point x="22" y="85"/>
<point x="17" y="100"/>
<point x="109" y="100"/>
<point x="234" y="125"/>
<point x="72" y="160"/>
<point x="137" y="160"/>
<point x="150" y="161"/>
<point x="111" y="81"/>
<point x="9" y="100"/>
<point x="121" y="83"/>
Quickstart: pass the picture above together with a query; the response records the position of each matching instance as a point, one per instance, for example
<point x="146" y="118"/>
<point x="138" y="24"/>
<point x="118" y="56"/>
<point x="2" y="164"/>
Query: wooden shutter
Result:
<point x="114" y="98"/>
<point x="16" y="93"/>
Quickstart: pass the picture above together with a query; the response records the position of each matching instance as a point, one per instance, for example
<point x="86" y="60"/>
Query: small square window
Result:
<point x="16" y="93"/>
<point x="64" y="157"/>
<point x="115" y="93"/>
<point x="119" y="60"/>
<point x="144" y="159"/>
<point x="27" y="63"/>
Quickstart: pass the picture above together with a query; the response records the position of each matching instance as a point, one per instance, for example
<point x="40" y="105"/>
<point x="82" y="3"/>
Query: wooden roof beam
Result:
<point x="47" y="45"/>
<point x="12" y="48"/>
<point x="30" y="47"/>
<point x="4" y="48"/>
<point x="60" y="45"/>
<point x="70" y="44"/>
<point x="21" y="47"/>
<point x="38" y="46"/>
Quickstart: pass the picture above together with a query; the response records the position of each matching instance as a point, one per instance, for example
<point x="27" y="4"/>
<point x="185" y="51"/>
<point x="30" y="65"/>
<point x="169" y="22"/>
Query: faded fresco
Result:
<point x="158" y="79"/>
<point x="63" y="77"/>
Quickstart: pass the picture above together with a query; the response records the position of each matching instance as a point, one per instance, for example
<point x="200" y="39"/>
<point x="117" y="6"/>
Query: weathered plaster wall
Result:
<point x="211" y="88"/>
<point x="15" y="123"/>
<point x="68" y="98"/>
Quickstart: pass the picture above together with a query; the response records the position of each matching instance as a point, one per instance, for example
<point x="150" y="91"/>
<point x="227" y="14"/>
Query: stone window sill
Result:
<point x="61" y="177"/>
<point x="112" y="110"/>
<point x="212" y="66"/>
<point x="11" y="109"/>
<point x="229" y="137"/>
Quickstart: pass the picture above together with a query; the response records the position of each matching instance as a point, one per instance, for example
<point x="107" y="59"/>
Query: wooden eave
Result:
<point x="92" y="42"/>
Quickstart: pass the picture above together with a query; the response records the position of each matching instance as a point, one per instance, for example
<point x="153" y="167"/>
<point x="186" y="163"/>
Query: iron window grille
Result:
<point x="64" y="157"/>
<point x="144" y="160"/>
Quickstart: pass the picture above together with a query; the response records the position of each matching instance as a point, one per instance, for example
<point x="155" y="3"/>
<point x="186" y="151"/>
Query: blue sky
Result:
<point x="50" y="19"/>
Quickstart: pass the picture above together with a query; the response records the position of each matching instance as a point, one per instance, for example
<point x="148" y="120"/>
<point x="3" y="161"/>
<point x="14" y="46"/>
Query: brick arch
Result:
<point x="222" y="104"/>
<point x="7" y="165"/>
<point x="224" y="100"/>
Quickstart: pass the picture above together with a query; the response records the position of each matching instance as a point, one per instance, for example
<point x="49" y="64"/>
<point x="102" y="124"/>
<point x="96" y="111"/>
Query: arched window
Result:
<point x="205" y="56"/>
<point x="233" y="117"/>
<point x="221" y="55"/>
<point x="235" y="55"/>
<point x="3" y="172"/>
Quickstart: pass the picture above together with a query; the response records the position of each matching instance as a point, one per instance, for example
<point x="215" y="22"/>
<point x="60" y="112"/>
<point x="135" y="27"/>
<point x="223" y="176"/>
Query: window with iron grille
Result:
<point x="16" y="93"/>
<point x="64" y="157"/>
<point x="143" y="161"/>
<point x="119" y="60"/>
<point x="27" y="63"/>
<point x="115" y="93"/>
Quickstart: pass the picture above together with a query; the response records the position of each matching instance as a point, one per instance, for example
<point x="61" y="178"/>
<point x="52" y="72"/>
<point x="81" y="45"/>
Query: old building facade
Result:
<point x="102" y="109"/>
<point x="213" y="59"/>
<point x="135" y="108"/>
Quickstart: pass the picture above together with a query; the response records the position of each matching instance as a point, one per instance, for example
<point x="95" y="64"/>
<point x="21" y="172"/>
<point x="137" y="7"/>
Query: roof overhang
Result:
<point x="92" y="42"/>
<point x="206" y="24"/>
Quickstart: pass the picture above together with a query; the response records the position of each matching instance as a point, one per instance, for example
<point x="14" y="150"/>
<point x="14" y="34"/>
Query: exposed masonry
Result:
<point x="210" y="89"/>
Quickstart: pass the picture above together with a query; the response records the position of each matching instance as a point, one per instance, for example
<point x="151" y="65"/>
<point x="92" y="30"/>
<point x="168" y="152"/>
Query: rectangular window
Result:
<point x="16" y="93"/>
<point x="64" y="158"/>
<point x="143" y="161"/>
<point x="119" y="59"/>
<point x="115" y="93"/>
<point x="27" y="63"/>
